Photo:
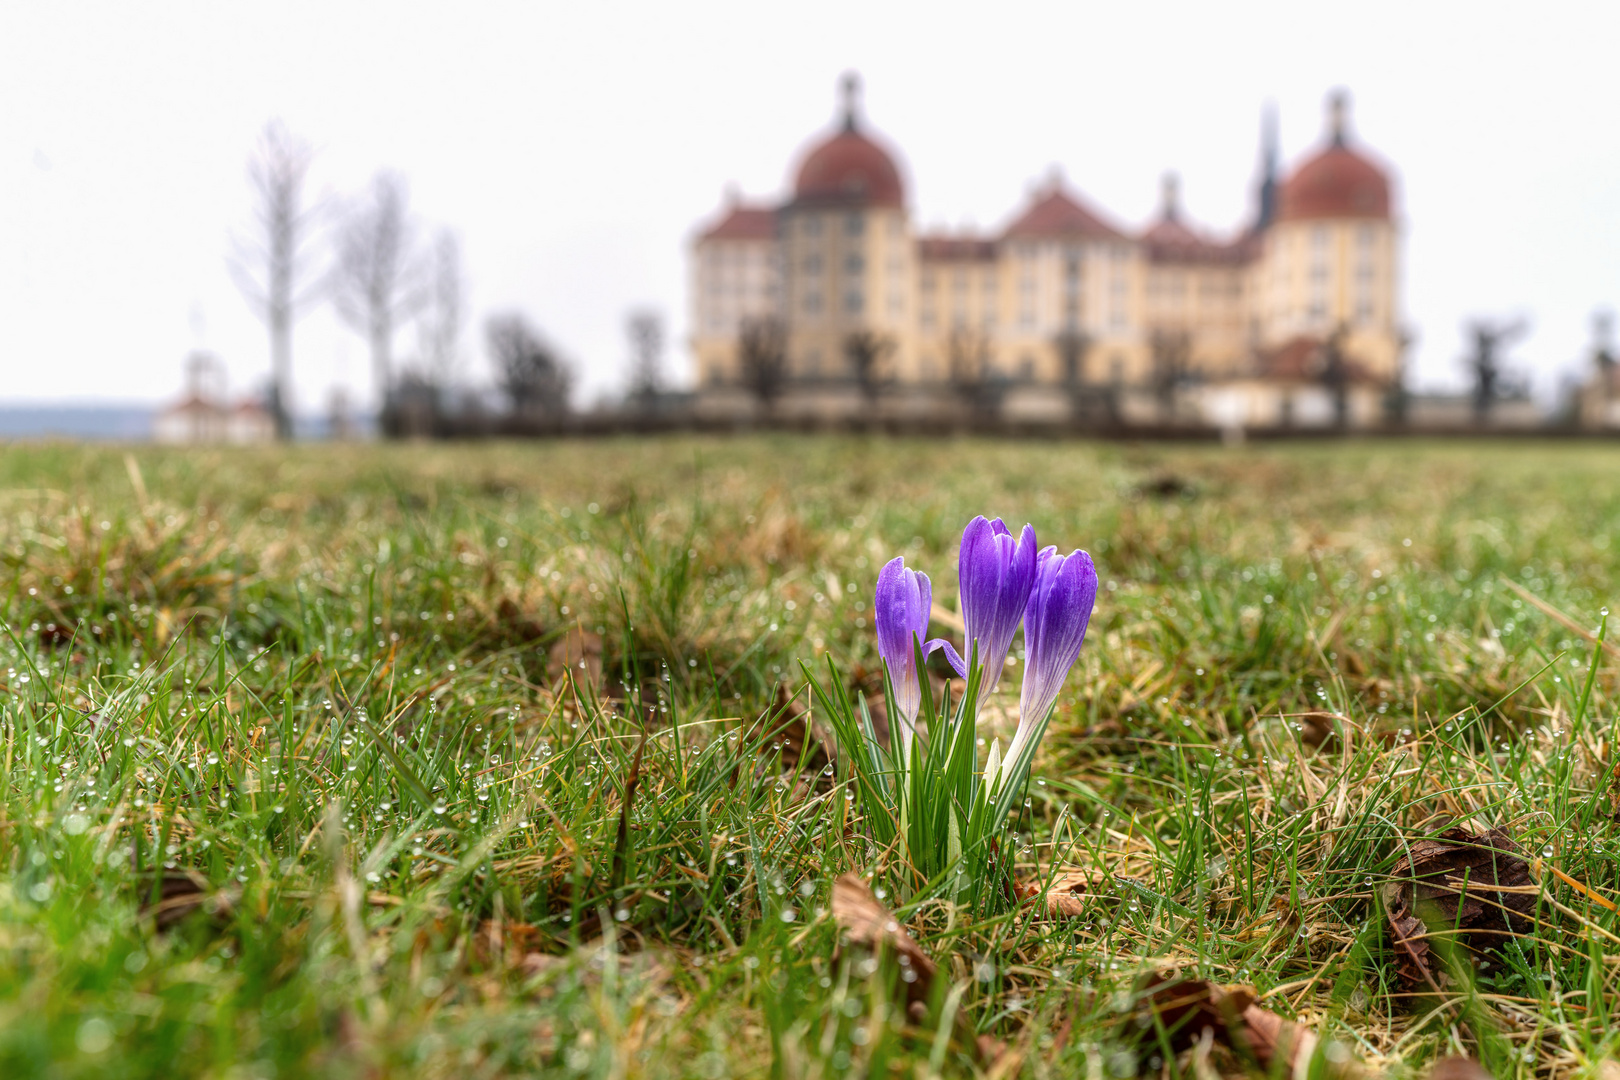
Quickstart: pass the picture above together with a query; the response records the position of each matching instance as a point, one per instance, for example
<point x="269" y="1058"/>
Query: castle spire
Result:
<point x="1267" y="210"/>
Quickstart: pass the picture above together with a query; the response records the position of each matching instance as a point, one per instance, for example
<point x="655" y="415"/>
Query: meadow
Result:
<point x="498" y="760"/>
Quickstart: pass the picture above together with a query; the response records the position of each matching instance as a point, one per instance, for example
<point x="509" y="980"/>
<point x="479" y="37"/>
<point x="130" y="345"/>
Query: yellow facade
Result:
<point x="1061" y="296"/>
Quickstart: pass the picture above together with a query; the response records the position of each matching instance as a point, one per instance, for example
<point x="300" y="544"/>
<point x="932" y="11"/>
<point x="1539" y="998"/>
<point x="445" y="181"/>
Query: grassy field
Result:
<point x="492" y="760"/>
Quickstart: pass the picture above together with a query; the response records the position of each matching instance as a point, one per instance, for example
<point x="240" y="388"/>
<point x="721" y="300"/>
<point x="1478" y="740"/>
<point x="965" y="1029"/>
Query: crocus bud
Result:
<point x="900" y="614"/>
<point x="1054" y="629"/>
<point x="996" y="572"/>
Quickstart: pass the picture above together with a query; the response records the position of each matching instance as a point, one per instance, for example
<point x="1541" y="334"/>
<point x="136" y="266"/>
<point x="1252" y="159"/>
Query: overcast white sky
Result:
<point x="573" y="147"/>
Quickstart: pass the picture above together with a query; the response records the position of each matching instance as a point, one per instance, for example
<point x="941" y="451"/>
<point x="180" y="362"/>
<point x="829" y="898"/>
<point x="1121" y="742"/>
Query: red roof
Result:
<point x="849" y="169"/>
<point x="1171" y="241"/>
<point x="957" y="248"/>
<point x="1058" y="215"/>
<point x="1336" y="183"/>
<point x="743" y="223"/>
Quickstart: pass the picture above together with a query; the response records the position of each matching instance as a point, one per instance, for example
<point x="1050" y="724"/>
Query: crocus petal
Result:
<point x="1054" y="629"/>
<point x="996" y="572"/>
<point x="900" y="609"/>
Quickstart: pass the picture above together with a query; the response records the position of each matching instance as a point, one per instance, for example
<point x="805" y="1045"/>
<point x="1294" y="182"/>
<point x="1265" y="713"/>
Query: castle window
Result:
<point x="812" y="264"/>
<point x="812" y="303"/>
<point x="854" y="264"/>
<point x="854" y="224"/>
<point x="853" y="302"/>
<point x="812" y="225"/>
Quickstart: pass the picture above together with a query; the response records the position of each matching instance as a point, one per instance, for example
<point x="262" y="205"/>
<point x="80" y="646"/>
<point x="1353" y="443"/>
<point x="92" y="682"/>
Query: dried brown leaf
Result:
<point x="869" y="925"/>
<point x="1458" y="1068"/>
<point x="1459" y="879"/>
<point x="579" y="653"/>
<point x="1069" y="894"/>
<point x="1185" y="1009"/>
<point x="181" y="892"/>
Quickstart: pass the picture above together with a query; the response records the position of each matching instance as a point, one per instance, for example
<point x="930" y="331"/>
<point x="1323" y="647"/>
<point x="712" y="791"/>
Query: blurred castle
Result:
<point x="831" y="303"/>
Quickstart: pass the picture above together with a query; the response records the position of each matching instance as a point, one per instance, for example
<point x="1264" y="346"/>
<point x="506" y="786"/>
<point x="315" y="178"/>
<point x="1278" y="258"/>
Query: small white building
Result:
<point x="204" y="416"/>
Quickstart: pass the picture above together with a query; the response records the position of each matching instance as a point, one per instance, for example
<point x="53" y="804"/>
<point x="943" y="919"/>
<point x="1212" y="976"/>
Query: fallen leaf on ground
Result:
<point x="1458" y="1068"/>
<point x="181" y="892"/>
<point x="868" y="924"/>
<point x="1069" y="894"/>
<point x="578" y="652"/>
<point x="517" y="623"/>
<point x="1186" y="1008"/>
<point x="1458" y="879"/>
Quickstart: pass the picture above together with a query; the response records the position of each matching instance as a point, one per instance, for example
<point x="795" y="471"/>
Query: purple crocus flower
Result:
<point x="900" y="612"/>
<point x="1054" y="629"/>
<point x="996" y="572"/>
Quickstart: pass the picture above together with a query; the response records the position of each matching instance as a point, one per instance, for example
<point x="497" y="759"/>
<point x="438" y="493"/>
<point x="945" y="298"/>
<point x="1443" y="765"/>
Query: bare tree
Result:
<point x="1490" y="341"/>
<point x="762" y="357"/>
<point x="530" y="370"/>
<point x="971" y="373"/>
<point x="416" y="403"/>
<point x="867" y="351"/>
<point x="1603" y="343"/>
<point x="1073" y="345"/>
<point x="1072" y="348"/>
<point x="376" y="283"/>
<point x="443" y="309"/>
<point x="1171" y="351"/>
<point x="274" y="268"/>
<point x="1335" y="374"/>
<point x="645" y="329"/>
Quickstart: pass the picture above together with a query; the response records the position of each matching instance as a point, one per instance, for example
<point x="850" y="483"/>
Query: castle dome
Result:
<point x="1337" y="182"/>
<point x="848" y="168"/>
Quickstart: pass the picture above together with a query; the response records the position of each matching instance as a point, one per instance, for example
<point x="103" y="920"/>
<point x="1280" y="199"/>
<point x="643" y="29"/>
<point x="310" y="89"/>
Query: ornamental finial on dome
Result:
<point x="1338" y="108"/>
<point x="849" y="92"/>
<point x="1170" y="194"/>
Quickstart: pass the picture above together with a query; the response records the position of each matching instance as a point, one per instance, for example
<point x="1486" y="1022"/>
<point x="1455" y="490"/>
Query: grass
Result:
<point x="471" y="761"/>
